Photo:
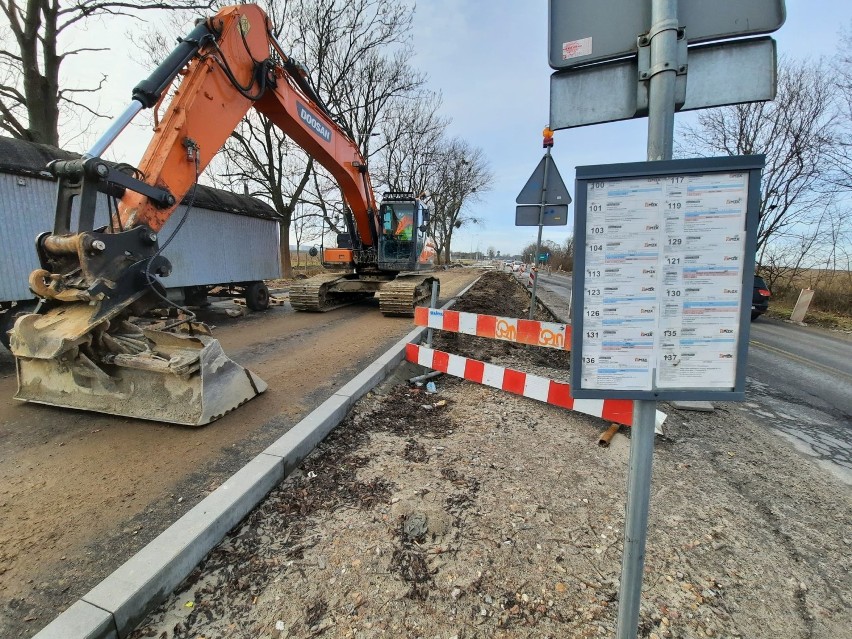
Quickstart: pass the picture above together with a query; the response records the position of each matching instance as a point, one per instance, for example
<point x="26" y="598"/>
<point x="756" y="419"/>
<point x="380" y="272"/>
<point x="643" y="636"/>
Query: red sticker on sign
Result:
<point x="576" y="48"/>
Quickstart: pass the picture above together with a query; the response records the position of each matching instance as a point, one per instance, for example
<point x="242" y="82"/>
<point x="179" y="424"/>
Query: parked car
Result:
<point x="760" y="298"/>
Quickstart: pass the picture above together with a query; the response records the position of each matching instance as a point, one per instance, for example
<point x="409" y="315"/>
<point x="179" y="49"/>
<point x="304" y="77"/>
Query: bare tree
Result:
<point x="307" y="229"/>
<point x="418" y="157"/>
<point x="413" y="133"/>
<point x="459" y="174"/>
<point x="842" y="71"/>
<point x="31" y="98"/>
<point x="796" y="132"/>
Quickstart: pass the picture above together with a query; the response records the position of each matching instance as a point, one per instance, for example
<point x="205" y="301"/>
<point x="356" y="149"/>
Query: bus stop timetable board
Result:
<point x="663" y="278"/>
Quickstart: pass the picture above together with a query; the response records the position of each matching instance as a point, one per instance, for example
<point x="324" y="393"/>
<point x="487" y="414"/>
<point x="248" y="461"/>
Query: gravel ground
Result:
<point x="474" y="513"/>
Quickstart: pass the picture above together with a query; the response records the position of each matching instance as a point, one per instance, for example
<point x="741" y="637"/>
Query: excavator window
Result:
<point x="398" y="220"/>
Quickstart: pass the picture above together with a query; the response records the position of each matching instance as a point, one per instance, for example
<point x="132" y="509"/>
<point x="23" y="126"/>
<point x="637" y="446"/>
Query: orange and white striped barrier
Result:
<point x="509" y="329"/>
<point x="533" y="273"/>
<point x="543" y="389"/>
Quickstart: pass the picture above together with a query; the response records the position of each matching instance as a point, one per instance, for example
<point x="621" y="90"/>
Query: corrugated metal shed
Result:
<point x="214" y="247"/>
<point x="18" y="157"/>
<point x="226" y="238"/>
<point x="26" y="210"/>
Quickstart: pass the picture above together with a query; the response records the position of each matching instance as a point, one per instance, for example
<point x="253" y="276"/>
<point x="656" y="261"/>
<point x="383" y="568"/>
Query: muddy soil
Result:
<point x="81" y="492"/>
<point x="474" y="513"/>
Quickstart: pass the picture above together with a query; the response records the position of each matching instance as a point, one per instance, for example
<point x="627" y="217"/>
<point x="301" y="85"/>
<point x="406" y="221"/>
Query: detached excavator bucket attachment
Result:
<point x="149" y="374"/>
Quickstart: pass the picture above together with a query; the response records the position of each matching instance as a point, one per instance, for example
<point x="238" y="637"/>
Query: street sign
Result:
<point x="556" y="193"/>
<point x="624" y="350"/>
<point x="719" y="74"/>
<point x="553" y="215"/>
<point x="586" y="31"/>
<point x="543" y="256"/>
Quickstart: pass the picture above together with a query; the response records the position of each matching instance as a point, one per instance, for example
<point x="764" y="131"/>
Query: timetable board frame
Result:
<point x="663" y="278"/>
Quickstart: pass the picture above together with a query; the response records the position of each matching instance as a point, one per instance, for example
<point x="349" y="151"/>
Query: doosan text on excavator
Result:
<point x="82" y="350"/>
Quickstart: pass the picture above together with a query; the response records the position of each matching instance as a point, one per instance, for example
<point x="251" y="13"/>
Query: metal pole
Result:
<point x="118" y="125"/>
<point x="540" y="226"/>
<point x="636" y="517"/>
<point x="661" y="105"/>
<point x="661" y="99"/>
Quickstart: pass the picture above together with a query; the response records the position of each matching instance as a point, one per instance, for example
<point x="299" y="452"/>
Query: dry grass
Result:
<point x="831" y="306"/>
<point x="779" y="309"/>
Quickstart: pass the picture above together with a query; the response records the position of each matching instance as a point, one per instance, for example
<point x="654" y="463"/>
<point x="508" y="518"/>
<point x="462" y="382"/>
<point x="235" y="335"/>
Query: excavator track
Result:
<point x="313" y="294"/>
<point x="400" y="296"/>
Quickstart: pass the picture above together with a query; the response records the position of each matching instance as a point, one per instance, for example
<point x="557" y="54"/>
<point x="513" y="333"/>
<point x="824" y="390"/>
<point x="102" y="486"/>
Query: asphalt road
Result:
<point x="798" y="382"/>
<point x="558" y="283"/>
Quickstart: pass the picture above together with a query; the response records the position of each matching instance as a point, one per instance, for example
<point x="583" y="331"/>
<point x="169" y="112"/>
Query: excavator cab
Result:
<point x="404" y="245"/>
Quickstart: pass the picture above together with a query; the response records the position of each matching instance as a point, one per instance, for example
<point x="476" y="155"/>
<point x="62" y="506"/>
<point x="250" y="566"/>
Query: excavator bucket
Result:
<point x="146" y="374"/>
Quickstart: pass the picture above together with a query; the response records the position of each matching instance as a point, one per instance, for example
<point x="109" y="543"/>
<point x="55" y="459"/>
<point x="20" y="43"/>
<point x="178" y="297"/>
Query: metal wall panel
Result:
<point x="26" y="209"/>
<point x="212" y="247"/>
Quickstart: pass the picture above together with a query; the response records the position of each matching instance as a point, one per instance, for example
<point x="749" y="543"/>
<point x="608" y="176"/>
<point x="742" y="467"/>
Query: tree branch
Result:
<point x="84" y="49"/>
<point x="13" y="93"/>
<point x="84" y="9"/>
<point x="61" y="93"/>
<point x="9" y="54"/>
<point x="11" y="124"/>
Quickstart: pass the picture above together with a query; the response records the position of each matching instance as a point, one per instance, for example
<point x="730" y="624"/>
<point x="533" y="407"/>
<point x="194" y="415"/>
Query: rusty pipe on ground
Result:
<point x="607" y="435"/>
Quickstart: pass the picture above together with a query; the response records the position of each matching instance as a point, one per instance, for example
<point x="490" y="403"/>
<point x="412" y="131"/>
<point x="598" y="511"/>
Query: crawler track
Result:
<point x="400" y="296"/>
<point x="396" y="298"/>
<point x="313" y="294"/>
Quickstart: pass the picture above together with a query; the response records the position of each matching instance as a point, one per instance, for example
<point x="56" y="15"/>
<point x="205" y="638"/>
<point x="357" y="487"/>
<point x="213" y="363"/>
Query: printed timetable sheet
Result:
<point x="664" y="259"/>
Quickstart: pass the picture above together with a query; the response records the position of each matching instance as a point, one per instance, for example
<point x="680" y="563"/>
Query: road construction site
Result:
<point x="81" y="492"/>
<point x="465" y="512"/>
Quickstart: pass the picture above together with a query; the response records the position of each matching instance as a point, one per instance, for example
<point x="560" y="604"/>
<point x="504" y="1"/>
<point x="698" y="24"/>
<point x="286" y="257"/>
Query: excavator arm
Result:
<point x="80" y="351"/>
<point x="229" y="63"/>
<point x="239" y="65"/>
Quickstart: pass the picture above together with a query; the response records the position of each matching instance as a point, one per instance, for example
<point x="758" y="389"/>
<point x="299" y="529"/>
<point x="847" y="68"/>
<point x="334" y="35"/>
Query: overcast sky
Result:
<point x="489" y="60"/>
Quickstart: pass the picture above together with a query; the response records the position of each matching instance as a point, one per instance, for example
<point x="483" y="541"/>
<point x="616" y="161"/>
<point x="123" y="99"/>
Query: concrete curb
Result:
<point x="117" y="604"/>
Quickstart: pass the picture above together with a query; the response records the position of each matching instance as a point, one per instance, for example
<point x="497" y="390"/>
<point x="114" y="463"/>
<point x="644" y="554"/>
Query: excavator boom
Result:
<point x="80" y="351"/>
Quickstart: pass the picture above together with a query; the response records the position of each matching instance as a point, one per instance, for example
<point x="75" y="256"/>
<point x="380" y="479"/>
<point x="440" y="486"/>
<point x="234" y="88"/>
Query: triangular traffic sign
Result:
<point x="557" y="193"/>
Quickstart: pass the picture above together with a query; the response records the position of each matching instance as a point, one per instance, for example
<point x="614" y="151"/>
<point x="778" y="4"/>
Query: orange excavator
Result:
<point x="80" y="350"/>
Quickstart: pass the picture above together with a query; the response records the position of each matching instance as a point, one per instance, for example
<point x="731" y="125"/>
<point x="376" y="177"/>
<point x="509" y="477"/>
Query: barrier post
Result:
<point x="432" y="304"/>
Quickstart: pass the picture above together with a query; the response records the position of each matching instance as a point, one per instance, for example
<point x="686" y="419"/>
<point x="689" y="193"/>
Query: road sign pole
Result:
<point x="636" y="517"/>
<point x="540" y="227"/>
<point x="661" y="104"/>
<point x="663" y="72"/>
